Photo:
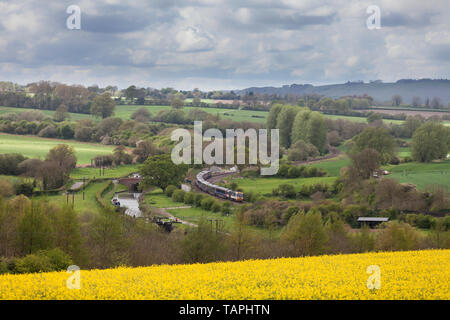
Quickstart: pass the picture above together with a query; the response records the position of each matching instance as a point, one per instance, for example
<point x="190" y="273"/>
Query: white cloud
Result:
<point x="228" y="42"/>
<point x="438" y="37"/>
<point x="193" y="39"/>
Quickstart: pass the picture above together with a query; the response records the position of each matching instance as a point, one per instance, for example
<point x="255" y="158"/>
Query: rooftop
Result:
<point x="373" y="219"/>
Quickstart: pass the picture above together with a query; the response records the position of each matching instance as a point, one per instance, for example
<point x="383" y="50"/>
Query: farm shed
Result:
<point x="371" y="221"/>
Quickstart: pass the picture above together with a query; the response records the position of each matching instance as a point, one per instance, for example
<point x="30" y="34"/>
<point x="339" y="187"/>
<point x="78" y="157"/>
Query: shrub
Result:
<point x="189" y="198"/>
<point x="198" y="200"/>
<point x="313" y="172"/>
<point x="33" y="263"/>
<point x="283" y="170"/>
<point x="288" y="214"/>
<point x="25" y="188"/>
<point x="48" y="132"/>
<point x="305" y="191"/>
<point x="178" y="195"/>
<point x="127" y="159"/>
<point x="3" y="267"/>
<point x="286" y="190"/>
<point x="250" y="196"/>
<point x="362" y="241"/>
<point x="294" y="172"/>
<point x="59" y="260"/>
<point x="407" y="159"/>
<point x="411" y="219"/>
<point x="226" y="208"/>
<point x="43" y="261"/>
<point x="141" y="115"/>
<point x="216" y="207"/>
<point x="424" y="221"/>
<point x="291" y="171"/>
<point x="6" y="189"/>
<point x="9" y="163"/>
<point x="66" y="131"/>
<point x="302" y="151"/>
<point x="398" y="236"/>
<point x="394" y="160"/>
<point x="207" y="203"/>
<point x="170" y="189"/>
<point x="83" y="133"/>
<point x="446" y="223"/>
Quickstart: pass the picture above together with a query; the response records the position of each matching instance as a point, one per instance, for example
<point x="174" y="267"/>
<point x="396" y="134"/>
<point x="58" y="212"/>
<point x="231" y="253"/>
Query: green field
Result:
<point x="244" y="115"/>
<point x="359" y="119"/>
<point x="422" y="174"/>
<point x="194" y="215"/>
<point x="125" y="112"/>
<point x="35" y="147"/>
<point x="332" y="166"/>
<point x="114" y="172"/>
<point x="208" y="101"/>
<point x="49" y="113"/>
<point x="266" y="185"/>
<point x="404" y="152"/>
<point x="158" y="199"/>
<point x="88" y="204"/>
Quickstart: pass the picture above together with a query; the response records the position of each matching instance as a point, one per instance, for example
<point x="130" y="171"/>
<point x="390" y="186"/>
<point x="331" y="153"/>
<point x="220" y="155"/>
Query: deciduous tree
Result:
<point x="161" y="172"/>
<point x="430" y="142"/>
<point x="103" y="106"/>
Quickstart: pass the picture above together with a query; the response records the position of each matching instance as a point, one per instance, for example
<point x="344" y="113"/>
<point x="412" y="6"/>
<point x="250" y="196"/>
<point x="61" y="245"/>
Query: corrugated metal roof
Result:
<point x="373" y="219"/>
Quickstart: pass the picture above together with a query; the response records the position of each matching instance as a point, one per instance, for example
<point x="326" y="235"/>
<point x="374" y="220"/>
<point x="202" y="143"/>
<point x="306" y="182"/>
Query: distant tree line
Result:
<point x="108" y="131"/>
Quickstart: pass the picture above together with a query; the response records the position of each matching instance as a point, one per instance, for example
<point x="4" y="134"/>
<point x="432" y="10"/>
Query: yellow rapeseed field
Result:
<point x="403" y="275"/>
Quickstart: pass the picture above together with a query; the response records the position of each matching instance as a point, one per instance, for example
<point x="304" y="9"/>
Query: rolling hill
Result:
<point x="381" y="92"/>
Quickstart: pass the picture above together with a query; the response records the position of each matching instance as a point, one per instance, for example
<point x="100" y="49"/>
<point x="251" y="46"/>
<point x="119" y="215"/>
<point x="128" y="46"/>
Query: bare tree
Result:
<point x="436" y="103"/>
<point x="416" y="102"/>
<point x="397" y="100"/>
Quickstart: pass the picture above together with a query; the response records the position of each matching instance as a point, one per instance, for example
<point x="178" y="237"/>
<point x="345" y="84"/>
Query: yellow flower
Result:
<point x="403" y="275"/>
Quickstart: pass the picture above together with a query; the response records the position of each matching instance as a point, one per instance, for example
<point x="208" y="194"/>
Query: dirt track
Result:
<point x="163" y="211"/>
<point x="333" y="155"/>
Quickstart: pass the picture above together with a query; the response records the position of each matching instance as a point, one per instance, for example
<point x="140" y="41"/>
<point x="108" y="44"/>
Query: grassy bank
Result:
<point x="36" y="147"/>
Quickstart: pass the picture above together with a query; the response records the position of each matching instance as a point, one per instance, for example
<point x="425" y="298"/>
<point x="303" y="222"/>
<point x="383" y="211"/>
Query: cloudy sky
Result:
<point x="223" y="44"/>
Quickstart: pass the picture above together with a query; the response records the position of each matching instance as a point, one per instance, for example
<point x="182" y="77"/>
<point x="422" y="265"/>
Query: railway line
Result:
<point x="201" y="181"/>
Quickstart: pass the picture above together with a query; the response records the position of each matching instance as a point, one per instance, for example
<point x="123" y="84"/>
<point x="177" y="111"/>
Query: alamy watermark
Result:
<point x="374" y="20"/>
<point x="374" y="280"/>
<point x="73" y="22"/>
<point x="213" y="153"/>
<point x="74" y="280"/>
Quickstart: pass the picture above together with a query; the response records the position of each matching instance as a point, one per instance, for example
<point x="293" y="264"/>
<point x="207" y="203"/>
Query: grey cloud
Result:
<point x="441" y="53"/>
<point x="264" y="20"/>
<point x="143" y="41"/>
<point x="396" y="19"/>
<point x="114" y="23"/>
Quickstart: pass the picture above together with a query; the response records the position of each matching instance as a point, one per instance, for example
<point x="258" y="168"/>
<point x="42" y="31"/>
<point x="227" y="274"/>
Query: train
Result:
<point x="217" y="191"/>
